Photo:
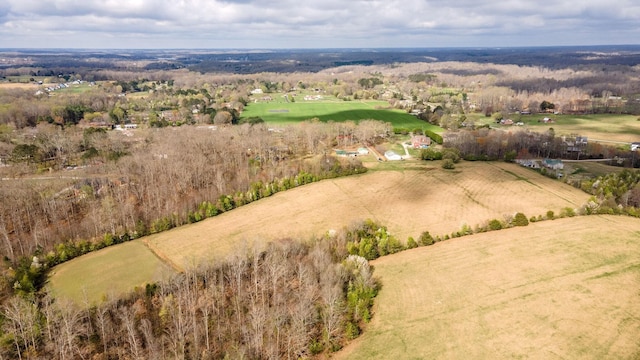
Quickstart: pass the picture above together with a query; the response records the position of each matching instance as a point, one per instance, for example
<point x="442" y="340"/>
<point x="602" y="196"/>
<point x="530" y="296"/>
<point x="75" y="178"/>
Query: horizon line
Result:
<point x="265" y="49"/>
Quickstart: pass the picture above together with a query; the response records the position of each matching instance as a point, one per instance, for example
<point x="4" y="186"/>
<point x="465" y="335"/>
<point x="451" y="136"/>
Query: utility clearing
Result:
<point x="561" y="289"/>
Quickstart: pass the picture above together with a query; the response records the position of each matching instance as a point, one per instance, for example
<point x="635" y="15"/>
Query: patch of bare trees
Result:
<point x="160" y="178"/>
<point x="489" y="144"/>
<point x="288" y="301"/>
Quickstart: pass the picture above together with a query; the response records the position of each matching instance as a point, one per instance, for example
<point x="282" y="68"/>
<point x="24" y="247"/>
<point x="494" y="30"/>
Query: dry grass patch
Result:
<point x="407" y="202"/>
<point x="562" y="289"/>
<point x="17" y="85"/>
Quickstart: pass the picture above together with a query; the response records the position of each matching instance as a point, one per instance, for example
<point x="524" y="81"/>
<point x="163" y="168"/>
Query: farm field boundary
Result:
<point x="413" y="198"/>
<point x="606" y="128"/>
<point x="278" y="113"/>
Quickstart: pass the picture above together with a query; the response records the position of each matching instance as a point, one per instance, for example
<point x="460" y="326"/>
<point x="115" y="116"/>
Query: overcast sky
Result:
<point x="316" y="24"/>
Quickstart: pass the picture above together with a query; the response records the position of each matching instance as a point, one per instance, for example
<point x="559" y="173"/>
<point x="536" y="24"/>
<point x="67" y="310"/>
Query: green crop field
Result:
<point x="561" y="289"/>
<point x="282" y="113"/>
<point x="111" y="271"/>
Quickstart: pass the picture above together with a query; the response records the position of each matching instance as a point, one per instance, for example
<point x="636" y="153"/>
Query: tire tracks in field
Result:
<point x="349" y="194"/>
<point x="546" y="189"/>
<point x="366" y="205"/>
<point x="465" y="191"/>
<point x="161" y="256"/>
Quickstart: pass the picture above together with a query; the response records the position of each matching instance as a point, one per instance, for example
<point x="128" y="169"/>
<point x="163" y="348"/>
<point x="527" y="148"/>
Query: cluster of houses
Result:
<point x="55" y="87"/>
<point x="551" y="164"/>
<point x="417" y="142"/>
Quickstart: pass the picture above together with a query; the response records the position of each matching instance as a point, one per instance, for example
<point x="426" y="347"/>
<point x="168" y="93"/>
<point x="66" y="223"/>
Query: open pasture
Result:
<point x="408" y="202"/>
<point x="283" y="113"/>
<point x="413" y="198"/>
<point x="561" y="289"/>
<point x="111" y="271"/>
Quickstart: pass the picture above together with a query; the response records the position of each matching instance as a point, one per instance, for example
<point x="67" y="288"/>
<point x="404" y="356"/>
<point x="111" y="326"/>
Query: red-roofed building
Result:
<point x="420" y="142"/>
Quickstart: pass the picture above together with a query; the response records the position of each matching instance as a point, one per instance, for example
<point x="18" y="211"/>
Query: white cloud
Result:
<point x="328" y="23"/>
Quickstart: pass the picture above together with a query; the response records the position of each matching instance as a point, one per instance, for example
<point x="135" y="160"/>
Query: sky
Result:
<point x="292" y="24"/>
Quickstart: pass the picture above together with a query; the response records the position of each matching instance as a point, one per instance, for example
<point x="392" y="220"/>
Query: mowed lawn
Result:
<point x="283" y="113"/>
<point x="111" y="271"/>
<point x="416" y="197"/>
<point x="561" y="289"/>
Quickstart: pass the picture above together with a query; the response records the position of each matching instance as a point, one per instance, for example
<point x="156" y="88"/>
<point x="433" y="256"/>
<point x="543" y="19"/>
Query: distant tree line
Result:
<point x="488" y="144"/>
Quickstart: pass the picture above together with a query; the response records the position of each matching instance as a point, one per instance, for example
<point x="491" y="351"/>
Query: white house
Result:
<point x="392" y="156"/>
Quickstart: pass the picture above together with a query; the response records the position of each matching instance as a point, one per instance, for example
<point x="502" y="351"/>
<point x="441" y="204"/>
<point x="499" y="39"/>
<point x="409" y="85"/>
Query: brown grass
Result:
<point x="15" y="85"/>
<point x="561" y="289"/>
<point x="408" y="202"/>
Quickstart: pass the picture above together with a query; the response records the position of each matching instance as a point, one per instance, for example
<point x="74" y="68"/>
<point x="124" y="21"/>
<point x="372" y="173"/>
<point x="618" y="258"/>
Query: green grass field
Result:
<point x="111" y="271"/>
<point x="561" y="289"/>
<point x="282" y="113"/>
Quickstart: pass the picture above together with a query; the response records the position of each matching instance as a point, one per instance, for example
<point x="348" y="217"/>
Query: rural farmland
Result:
<point x="282" y="113"/>
<point x="418" y="197"/>
<point x="564" y="289"/>
<point x="319" y="204"/>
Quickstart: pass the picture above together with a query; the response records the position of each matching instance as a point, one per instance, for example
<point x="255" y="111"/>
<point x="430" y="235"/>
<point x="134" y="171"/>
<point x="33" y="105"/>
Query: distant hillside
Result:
<point x="247" y="61"/>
